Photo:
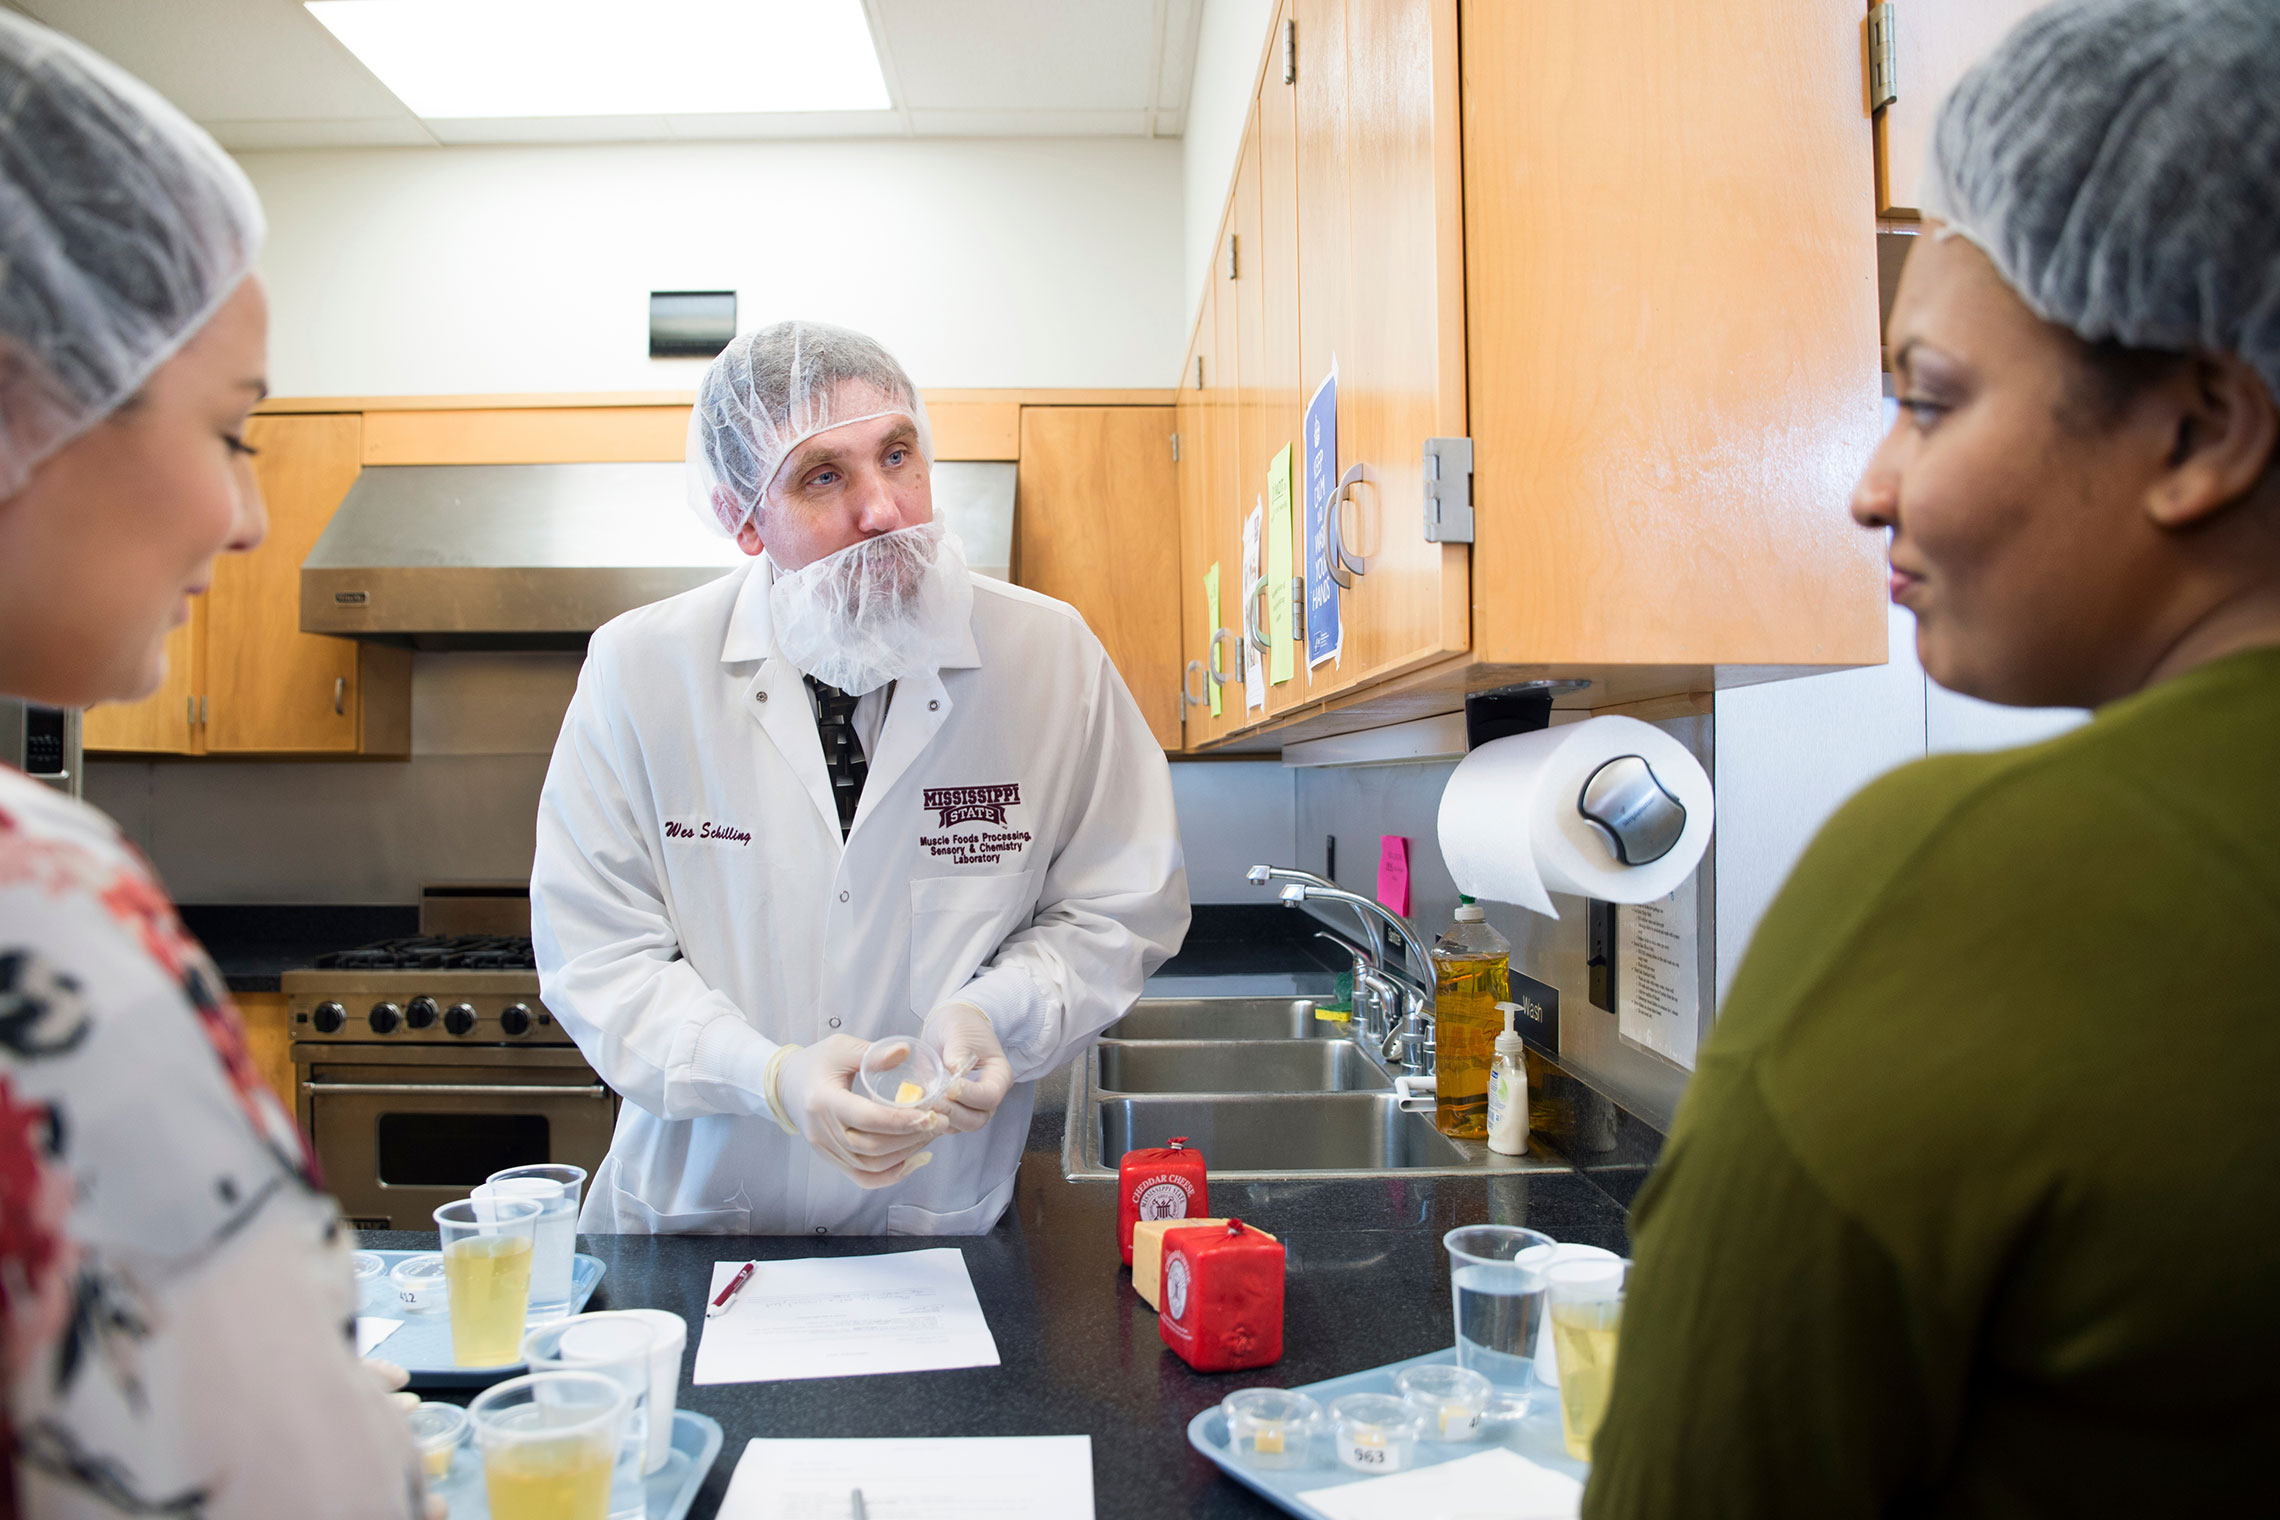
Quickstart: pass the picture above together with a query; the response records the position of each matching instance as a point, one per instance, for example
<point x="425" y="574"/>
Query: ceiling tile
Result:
<point x="980" y="55"/>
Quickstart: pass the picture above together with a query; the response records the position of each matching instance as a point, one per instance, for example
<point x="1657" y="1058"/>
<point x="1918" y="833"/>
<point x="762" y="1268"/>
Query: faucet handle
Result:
<point x="1259" y="876"/>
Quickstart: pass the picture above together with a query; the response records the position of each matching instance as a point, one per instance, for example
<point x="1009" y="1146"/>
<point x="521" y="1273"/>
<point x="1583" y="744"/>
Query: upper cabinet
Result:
<point x="1623" y="257"/>
<point x="1930" y="43"/>
<point x="242" y="679"/>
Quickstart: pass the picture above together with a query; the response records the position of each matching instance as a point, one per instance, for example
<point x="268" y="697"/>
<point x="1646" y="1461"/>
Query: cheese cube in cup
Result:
<point x="903" y="1072"/>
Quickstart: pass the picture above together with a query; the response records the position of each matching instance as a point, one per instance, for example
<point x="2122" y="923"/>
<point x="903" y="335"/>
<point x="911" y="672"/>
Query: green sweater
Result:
<point x="1973" y="1207"/>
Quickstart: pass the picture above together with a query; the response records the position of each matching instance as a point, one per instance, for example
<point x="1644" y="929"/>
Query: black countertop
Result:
<point x="1368" y="1284"/>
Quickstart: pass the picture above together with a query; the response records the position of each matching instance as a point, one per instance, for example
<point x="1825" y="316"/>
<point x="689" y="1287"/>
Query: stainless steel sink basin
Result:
<point x="1282" y="1133"/>
<point x="1236" y="1066"/>
<point x="1224" y="1018"/>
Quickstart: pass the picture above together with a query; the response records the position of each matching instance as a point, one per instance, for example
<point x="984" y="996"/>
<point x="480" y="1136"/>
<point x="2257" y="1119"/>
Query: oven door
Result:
<point x="401" y="1131"/>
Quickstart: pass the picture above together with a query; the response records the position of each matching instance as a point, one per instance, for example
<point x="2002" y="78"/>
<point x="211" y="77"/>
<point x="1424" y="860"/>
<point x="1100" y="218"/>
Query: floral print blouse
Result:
<point x="176" y="1305"/>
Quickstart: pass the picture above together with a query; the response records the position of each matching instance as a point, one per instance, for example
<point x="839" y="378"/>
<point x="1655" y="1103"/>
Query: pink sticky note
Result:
<point x="1393" y="872"/>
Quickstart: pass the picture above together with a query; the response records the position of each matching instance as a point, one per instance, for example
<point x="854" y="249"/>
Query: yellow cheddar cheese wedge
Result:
<point x="909" y="1092"/>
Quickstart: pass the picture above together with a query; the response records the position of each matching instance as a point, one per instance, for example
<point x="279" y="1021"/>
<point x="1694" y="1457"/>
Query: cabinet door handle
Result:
<point x="1251" y="617"/>
<point x="1219" y="637"/>
<point x="340" y="696"/>
<point x="1345" y="564"/>
<point x="1187" y="685"/>
<point x="452" y="1090"/>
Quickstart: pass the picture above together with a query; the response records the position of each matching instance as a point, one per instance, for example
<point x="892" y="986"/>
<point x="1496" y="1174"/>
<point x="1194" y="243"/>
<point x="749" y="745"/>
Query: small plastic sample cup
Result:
<point x="1373" y="1432"/>
<point x="1448" y="1401"/>
<point x="421" y="1287"/>
<point x="550" y="1442"/>
<point x="438" y="1430"/>
<point x="1268" y="1427"/>
<point x="487" y="1249"/>
<point x="372" y="1291"/>
<point x="904" y="1072"/>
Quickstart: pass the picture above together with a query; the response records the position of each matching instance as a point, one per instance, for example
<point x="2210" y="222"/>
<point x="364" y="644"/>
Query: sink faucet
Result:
<point x="1259" y="876"/>
<point x="1407" y="1038"/>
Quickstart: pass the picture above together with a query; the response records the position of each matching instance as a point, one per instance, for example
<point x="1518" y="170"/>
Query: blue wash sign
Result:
<point x="1324" y="639"/>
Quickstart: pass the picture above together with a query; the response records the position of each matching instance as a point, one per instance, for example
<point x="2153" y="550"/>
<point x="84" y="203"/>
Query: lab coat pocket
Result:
<point x="908" y="1219"/>
<point x="637" y="1218"/>
<point x="956" y="924"/>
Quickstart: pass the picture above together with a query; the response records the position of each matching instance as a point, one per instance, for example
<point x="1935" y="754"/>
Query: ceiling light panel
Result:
<point x="460" y="59"/>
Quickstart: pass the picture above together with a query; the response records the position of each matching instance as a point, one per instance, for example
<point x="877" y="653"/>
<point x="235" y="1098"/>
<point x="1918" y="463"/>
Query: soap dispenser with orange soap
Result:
<point x="1471" y="975"/>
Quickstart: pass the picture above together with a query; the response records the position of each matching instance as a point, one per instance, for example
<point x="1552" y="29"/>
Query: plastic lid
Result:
<point x="1470" y="912"/>
<point x="437" y="1425"/>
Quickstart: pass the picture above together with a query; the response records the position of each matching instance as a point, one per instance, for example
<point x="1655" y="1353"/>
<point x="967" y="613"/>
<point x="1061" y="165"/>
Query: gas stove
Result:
<point x="435" y="952"/>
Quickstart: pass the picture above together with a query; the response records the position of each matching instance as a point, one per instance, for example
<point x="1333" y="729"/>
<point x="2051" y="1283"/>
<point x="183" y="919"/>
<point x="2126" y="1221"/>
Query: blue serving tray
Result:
<point x="1537" y="1437"/>
<point x="422" y="1344"/>
<point x="670" y="1490"/>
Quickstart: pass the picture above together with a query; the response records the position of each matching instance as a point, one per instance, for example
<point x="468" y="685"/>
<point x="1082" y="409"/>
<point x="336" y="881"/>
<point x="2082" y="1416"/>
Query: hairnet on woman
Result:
<point x="1973" y="1205"/>
<point x="175" y="1293"/>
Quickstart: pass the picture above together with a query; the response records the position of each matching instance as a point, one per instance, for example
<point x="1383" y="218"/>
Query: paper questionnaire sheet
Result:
<point x="1493" y="1485"/>
<point x="981" y="1478"/>
<point x="844" y="1316"/>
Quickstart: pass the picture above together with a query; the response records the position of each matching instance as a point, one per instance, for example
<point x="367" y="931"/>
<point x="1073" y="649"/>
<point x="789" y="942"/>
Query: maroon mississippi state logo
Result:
<point x="971" y="804"/>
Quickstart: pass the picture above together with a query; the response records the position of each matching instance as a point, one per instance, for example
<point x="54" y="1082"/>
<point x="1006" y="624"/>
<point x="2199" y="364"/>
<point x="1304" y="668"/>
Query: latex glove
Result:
<point x="967" y="1039"/>
<point x="812" y="1088"/>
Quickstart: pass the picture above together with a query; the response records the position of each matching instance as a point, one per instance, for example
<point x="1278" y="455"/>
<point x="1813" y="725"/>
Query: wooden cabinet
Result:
<point x="1934" y="41"/>
<point x="269" y="1039"/>
<point x="1210" y="629"/>
<point x="1624" y="251"/>
<point x="1098" y="524"/>
<point x="242" y="678"/>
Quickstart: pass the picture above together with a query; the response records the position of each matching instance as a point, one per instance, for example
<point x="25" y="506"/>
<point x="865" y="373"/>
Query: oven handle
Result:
<point x="471" y="1089"/>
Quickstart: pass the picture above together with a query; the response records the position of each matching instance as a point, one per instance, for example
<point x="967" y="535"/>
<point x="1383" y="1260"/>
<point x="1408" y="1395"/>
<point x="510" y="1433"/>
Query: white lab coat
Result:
<point x="692" y="905"/>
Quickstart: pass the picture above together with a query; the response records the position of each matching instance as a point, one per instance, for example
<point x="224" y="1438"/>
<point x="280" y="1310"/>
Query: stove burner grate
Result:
<point x="430" y="952"/>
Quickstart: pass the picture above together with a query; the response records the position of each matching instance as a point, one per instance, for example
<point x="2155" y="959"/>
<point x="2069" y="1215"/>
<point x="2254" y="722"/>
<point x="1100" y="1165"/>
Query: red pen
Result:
<point x="727" y="1295"/>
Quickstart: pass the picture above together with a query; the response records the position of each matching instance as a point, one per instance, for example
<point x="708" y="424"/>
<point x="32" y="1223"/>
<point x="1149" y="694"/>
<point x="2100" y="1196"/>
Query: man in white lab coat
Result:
<point x="845" y="793"/>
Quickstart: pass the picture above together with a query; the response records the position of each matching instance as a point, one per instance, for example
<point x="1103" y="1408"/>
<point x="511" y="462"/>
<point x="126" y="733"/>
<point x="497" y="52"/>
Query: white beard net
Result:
<point x="878" y="611"/>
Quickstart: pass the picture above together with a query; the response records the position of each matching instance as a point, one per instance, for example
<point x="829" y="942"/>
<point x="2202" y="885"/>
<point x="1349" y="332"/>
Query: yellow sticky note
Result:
<point x="1282" y="662"/>
<point x="1211" y="632"/>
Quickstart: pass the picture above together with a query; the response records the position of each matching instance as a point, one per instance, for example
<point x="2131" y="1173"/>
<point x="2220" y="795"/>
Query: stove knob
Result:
<point x="385" y="1017"/>
<point x="419" y="1013"/>
<point x="329" y="1018"/>
<point x="459" y="1018"/>
<point x="515" y="1019"/>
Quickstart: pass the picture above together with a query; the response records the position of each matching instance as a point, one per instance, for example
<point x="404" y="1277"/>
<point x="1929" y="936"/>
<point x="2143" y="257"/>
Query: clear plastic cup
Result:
<point x="438" y="1430"/>
<point x="1543" y="1259"/>
<point x="373" y="1292"/>
<point x="554" y="1246"/>
<point x="1373" y="1432"/>
<point x="665" y="1352"/>
<point x="903" y="1071"/>
<point x="617" y="1348"/>
<point x="1449" y="1401"/>
<point x="487" y="1248"/>
<point x="1498" y="1297"/>
<point x="1269" y="1427"/>
<point x="421" y="1287"/>
<point x="1584" y="1302"/>
<point x="550" y="1442"/>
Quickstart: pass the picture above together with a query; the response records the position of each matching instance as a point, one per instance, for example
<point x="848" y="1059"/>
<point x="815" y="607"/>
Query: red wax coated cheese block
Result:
<point x="1222" y="1308"/>
<point x="1166" y="1183"/>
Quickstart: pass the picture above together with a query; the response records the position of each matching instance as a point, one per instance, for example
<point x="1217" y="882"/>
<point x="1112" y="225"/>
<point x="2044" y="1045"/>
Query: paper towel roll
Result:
<point x="1511" y="830"/>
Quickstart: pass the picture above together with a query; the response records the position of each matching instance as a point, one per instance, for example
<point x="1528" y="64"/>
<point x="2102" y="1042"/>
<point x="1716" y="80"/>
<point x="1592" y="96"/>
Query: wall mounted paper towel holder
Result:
<point x="1510" y="710"/>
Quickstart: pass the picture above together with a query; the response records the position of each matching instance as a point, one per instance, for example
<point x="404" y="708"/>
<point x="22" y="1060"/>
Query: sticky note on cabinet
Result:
<point x="1148" y="1254"/>
<point x="1282" y="662"/>
<point x="1393" y="872"/>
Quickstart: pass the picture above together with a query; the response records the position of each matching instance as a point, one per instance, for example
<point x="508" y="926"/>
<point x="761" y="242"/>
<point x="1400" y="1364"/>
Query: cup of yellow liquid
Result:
<point x="487" y="1249"/>
<point x="549" y="1440"/>
<point x="1584" y="1304"/>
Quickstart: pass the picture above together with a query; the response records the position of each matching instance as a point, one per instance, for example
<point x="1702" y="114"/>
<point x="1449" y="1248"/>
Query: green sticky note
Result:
<point x="1210" y="631"/>
<point x="1282" y="663"/>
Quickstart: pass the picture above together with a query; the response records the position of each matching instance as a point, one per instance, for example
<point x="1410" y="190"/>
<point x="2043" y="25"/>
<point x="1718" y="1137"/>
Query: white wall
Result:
<point x="980" y="263"/>
<point x="1227" y="50"/>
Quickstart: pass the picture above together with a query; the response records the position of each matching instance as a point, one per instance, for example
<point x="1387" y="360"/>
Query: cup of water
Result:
<point x="555" y="1250"/>
<point x="1499" y="1300"/>
<point x="617" y="1348"/>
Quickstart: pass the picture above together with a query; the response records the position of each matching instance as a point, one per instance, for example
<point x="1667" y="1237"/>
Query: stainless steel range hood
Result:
<point x="537" y="556"/>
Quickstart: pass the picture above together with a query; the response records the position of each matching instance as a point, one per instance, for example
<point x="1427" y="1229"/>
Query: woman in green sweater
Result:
<point x="1973" y="1208"/>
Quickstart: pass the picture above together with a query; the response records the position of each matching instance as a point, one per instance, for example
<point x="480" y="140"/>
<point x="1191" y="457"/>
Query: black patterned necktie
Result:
<point x="842" y="750"/>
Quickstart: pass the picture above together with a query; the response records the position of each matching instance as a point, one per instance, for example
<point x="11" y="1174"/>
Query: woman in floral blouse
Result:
<point x="175" y="1299"/>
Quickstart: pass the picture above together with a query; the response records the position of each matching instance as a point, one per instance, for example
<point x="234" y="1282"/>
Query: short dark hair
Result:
<point x="2106" y="377"/>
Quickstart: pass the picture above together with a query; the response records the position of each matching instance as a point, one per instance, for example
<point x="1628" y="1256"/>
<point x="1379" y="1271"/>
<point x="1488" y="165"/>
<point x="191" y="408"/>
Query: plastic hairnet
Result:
<point x="123" y="227"/>
<point x="772" y="390"/>
<point x="2119" y="161"/>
